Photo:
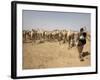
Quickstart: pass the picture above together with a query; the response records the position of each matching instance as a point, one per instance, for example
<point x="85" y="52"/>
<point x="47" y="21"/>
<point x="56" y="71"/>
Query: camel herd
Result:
<point x="62" y="36"/>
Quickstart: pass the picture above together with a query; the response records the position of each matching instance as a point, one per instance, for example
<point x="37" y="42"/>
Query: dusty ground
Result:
<point x="53" y="55"/>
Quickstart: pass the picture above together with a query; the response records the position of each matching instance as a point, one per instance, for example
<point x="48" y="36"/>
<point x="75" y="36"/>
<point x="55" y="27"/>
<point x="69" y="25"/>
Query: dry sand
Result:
<point x="53" y="55"/>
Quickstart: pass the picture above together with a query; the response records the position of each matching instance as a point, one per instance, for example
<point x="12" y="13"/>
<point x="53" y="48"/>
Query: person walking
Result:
<point x="81" y="42"/>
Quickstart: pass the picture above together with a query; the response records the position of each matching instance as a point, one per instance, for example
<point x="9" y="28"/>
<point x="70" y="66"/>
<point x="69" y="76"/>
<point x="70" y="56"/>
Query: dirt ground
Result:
<point x="53" y="55"/>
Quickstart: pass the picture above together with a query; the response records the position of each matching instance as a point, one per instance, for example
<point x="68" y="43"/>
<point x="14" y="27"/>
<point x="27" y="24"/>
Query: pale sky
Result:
<point x="50" y="20"/>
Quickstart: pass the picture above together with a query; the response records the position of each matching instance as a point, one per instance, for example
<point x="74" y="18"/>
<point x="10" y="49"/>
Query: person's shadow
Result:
<point x="85" y="54"/>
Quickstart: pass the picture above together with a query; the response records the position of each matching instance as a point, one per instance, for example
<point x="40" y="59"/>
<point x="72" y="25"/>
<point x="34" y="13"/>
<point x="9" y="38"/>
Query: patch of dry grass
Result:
<point x="53" y="55"/>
